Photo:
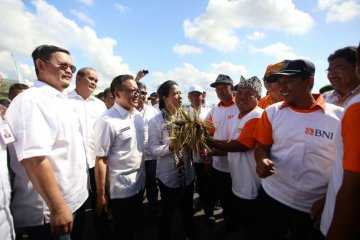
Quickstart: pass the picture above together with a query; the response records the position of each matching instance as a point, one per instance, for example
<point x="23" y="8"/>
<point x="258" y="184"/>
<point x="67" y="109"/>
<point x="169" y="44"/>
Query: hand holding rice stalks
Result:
<point x="187" y="132"/>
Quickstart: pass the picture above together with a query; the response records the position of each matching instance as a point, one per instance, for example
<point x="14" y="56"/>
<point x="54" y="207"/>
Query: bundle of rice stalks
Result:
<point x="188" y="132"/>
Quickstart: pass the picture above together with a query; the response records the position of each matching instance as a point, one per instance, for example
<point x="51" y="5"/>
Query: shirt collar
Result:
<point x="50" y="90"/>
<point x="74" y="94"/>
<point x="318" y="103"/>
<point x="122" y="111"/>
<point x="221" y="104"/>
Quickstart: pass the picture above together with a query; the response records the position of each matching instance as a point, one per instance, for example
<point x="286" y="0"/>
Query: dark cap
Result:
<point x="297" y="67"/>
<point x="224" y="79"/>
<point x="152" y="95"/>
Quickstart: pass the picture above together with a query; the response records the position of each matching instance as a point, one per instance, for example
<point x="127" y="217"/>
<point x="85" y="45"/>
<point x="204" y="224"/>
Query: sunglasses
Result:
<point x="63" y="65"/>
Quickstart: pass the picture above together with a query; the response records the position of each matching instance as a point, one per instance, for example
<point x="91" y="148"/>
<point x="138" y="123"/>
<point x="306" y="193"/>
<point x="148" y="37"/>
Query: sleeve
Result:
<point x="246" y="136"/>
<point x="103" y="137"/>
<point x="157" y="145"/>
<point x="351" y="133"/>
<point x="209" y="118"/>
<point x="34" y="130"/>
<point x="263" y="130"/>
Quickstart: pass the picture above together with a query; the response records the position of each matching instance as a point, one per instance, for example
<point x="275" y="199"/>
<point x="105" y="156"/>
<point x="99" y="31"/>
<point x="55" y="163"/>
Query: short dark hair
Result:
<point x="118" y="81"/>
<point x="14" y="87"/>
<point x="81" y="71"/>
<point x="141" y="85"/>
<point x="44" y="52"/>
<point x="164" y="91"/>
<point x="349" y="53"/>
<point x="106" y="91"/>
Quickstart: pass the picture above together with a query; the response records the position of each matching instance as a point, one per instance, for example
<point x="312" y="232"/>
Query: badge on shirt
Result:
<point x="6" y="134"/>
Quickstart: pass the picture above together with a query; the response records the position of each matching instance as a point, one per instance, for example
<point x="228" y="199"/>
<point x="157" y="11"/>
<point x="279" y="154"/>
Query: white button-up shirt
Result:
<point x="6" y="220"/>
<point x="45" y="124"/>
<point x="88" y="111"/>
<point x="159" y="145"/>
<point x="147" y="113"/>
<point x="119" y="135"/>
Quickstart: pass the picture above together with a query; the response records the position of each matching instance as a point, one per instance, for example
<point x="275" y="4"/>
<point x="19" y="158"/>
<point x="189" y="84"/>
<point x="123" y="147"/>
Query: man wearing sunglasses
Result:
<point x="50" y="182"/>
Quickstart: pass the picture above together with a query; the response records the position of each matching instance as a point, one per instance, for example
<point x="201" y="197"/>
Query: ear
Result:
<point x="117" y="94"/>
<point x="310" y="82"/>
<point x="40" y="65"/>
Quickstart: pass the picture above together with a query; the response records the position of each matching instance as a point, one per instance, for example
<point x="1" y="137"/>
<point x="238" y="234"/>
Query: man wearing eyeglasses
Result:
<point x="119" y="167"/>
<point x="342" y="76"/>
<point x="89" y="109"/>
<point x="50" y="182"/>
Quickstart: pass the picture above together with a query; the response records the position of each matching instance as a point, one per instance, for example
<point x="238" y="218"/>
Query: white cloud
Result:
<point x="99" y="52"/>
<point x="217" y="27"/>
<point x="183" y="49"/>
<point x="87" y="2"/>
<point x="187" y="75"/>
<point x="279" y="51"/>
<point x="323" y="4"/>
<point x="83" y="17"/>
<point x="256" y="36"/>
<point x="343" y="12"/>
<point x="121" y="8"/>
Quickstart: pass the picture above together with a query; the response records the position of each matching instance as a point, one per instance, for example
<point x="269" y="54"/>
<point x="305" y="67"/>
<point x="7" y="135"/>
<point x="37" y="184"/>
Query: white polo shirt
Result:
<point x="159" y="145"/>
<point x="88" y="111"/>
<point x="242" y="165"/>
<point x="147" y="113"/>
<point x="302" y="149"/>
<point x="6" y="220"/>
<point x="119" y="135"/>
<point x="350" y="158"/>
<point x="45" y="124"/>
<point x="204" y="111"/>
<point x="219" y="115"/>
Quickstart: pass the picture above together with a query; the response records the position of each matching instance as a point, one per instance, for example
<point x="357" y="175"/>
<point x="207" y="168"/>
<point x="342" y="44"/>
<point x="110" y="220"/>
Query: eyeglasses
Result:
<point x="336" y="68"/>
<point x="144" y="93"/>
<point x="132" y="92"/>
<point x="63" y="65"/>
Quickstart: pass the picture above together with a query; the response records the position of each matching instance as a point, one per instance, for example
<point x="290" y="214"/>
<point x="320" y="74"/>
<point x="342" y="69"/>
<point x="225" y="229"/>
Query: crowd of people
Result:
<point x="282" y="166"/>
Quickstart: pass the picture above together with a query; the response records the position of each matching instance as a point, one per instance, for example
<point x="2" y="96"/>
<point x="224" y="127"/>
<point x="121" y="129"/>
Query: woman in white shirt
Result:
<point x="174" y="170"/>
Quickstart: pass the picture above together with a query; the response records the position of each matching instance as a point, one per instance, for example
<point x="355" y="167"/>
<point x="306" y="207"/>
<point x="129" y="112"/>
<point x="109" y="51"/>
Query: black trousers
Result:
<point x="170" y="199"/>
<point x="222" y="191"/>
<point x="203" y="188"/>
<point x="277" y="221"/>
<point x="128" y="215"/>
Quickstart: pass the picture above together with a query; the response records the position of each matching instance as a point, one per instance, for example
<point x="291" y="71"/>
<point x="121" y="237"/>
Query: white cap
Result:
<point x="195" y="88"/>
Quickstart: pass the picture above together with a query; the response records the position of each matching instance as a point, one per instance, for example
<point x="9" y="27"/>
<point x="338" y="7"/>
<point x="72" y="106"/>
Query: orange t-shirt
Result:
<point x="246" y="136"/>
<point x="350" y="133"/>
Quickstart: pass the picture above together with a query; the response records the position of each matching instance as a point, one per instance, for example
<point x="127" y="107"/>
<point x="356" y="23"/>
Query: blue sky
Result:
<point x="189" y="41"/>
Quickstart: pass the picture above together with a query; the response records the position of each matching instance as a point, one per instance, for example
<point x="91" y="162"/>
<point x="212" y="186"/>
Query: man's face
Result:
<point x="109" y="100"/>
<point x="128" y="96"/>
<point x="246" y="99"/>
<point x="87" y="83"/>
<point x="196" y="99"/>
<point x="224" y="92"/>
<point x="341" y="75"/>
<point x="56" y="71"/>
<point x="294" y="89"/>
<point x="154" y="100"/>
<point x="142" y="97"/>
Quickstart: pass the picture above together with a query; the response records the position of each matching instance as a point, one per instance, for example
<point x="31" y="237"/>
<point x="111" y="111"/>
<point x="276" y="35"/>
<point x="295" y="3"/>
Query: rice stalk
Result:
<point x="187" y="132"/>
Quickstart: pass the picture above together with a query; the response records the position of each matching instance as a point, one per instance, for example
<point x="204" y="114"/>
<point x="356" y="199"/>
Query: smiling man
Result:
<point x="50" y="181"/>
<point x="342" y="76"/>
<point x="294" y="156"/>
<point x="88" y="109"/>
<point x="119" y="167"/>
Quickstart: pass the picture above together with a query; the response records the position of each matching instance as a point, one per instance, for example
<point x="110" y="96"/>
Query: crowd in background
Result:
<point x="282" y="166"/>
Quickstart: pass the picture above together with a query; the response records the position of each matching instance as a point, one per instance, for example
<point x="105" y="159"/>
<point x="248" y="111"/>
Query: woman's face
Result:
<point x="174" y="99"/>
